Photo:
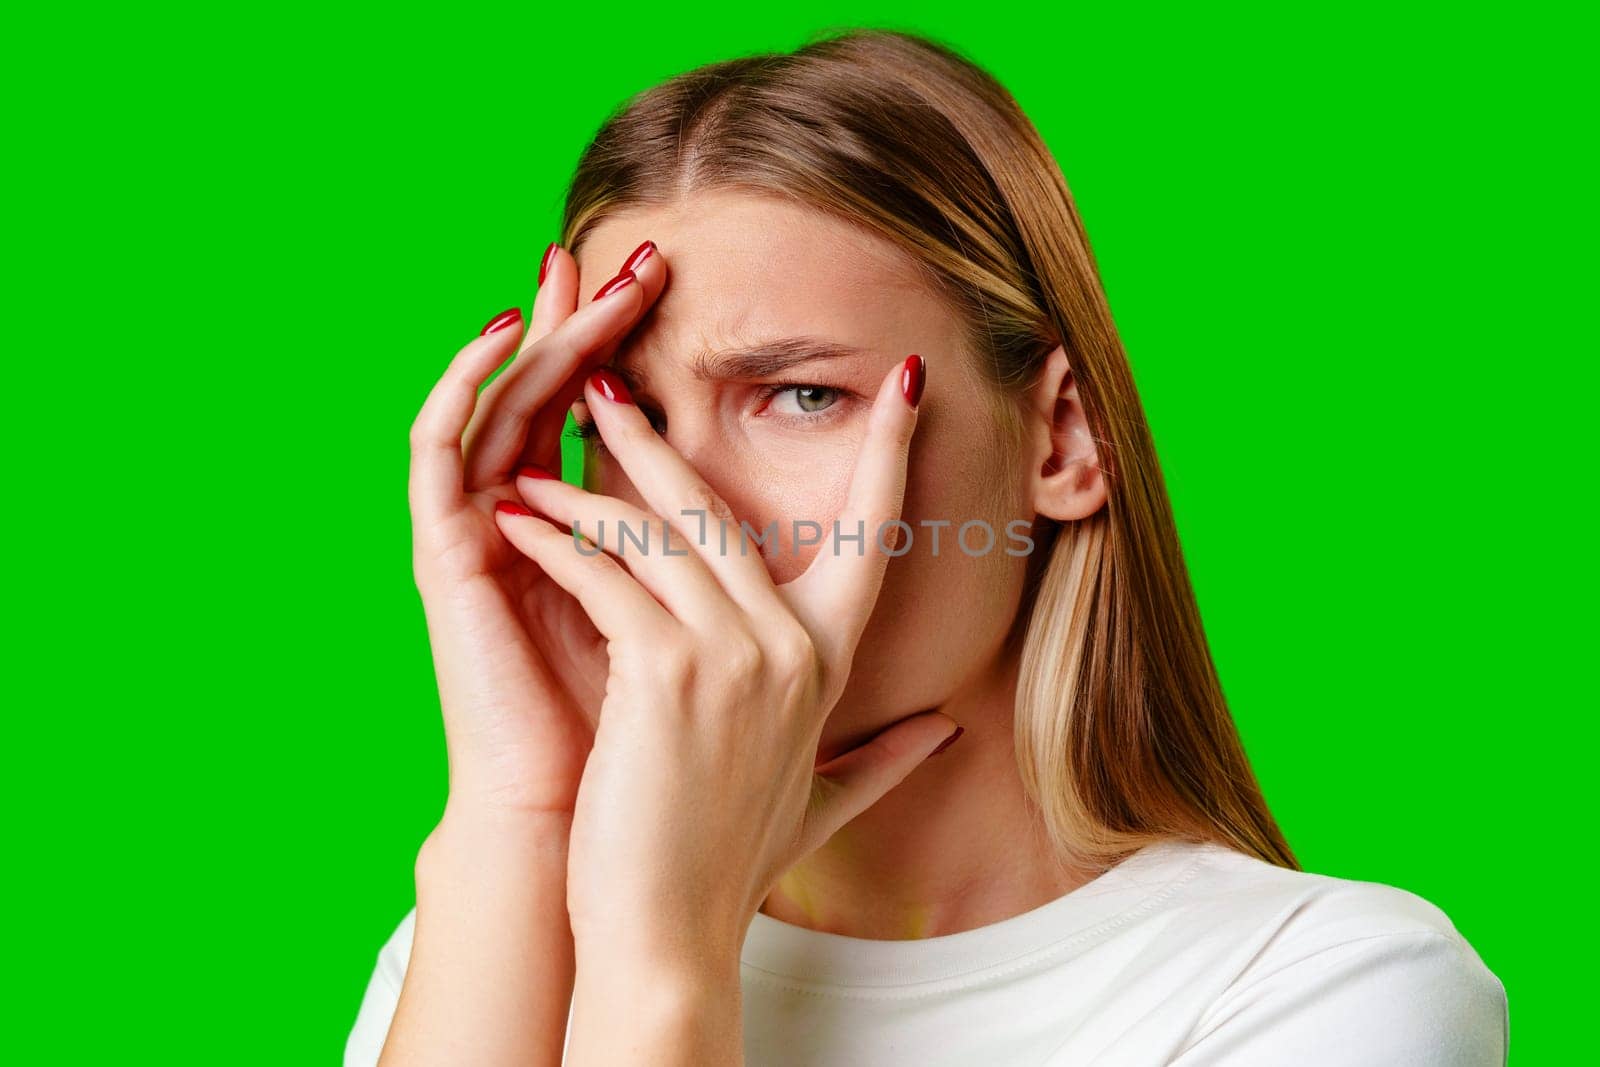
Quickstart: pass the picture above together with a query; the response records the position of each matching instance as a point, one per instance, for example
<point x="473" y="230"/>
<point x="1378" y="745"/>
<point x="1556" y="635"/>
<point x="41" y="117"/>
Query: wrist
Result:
<point x="635" y="1009"/>
<point x="660" y="995"/>
<point x="491" y="965"/>
<point x="681" y="966"/>
<point x="485" y="847"/>
<point x="476" y="823"/>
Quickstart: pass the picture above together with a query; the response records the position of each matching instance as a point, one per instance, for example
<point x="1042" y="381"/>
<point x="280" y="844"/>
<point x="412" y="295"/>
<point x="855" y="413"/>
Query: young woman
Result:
<point x="868" y="475"/>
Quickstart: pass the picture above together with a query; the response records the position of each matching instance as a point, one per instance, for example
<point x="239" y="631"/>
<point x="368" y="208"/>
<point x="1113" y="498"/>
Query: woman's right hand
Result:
<point x="521" y="670"/>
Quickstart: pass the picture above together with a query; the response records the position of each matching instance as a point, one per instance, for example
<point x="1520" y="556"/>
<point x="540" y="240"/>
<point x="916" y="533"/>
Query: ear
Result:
<point x="1064" y="462"/>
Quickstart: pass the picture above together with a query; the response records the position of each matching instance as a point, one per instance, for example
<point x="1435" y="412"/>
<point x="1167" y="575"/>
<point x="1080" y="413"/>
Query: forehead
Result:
<point x="745" y="269"/>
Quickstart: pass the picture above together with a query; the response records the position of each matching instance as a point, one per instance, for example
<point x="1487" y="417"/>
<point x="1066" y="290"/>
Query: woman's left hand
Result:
<point x="703" y="788"/>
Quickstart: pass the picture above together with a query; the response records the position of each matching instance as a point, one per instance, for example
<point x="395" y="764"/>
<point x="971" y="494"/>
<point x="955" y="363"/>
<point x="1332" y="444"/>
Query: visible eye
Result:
<point x="585" y="430"/>
<point x="805" y="399"/>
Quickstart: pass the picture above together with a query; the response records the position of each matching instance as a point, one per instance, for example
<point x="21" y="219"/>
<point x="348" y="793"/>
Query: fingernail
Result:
<point x="610" y="386"/>
<point x="623" y="279"/>
<point x="501" y="321"/>
<point x="531" y="471"/>
<point x="639" y="255"/>
<point x="947" y="742"/>
<point x="511" y="507"/>
<point x="912" y="376"/>
<point x="549" y="257"/>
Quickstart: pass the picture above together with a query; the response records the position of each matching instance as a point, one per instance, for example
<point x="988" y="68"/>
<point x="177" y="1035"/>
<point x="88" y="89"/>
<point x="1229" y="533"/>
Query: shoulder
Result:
<point x="1322" y="967"/>
<point x="1308" y="909"/>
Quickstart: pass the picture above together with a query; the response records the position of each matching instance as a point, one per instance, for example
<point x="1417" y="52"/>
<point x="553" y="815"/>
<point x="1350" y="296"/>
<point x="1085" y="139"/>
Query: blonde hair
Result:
<point x="1123" y="736"/>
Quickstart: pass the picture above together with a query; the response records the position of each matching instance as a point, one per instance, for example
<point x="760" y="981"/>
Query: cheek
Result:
<point x="942" y="619"/>
<point x="792" y="509"/>
<point x="939" y="626"/>
<point x="798" y="514"/>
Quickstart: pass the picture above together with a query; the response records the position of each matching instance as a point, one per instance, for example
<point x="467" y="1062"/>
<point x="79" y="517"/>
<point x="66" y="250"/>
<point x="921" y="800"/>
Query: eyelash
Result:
<point x="586" y="430"/>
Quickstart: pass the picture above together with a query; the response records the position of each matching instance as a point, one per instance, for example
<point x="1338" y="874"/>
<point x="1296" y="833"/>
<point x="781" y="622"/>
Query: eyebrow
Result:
<point x="758" y="361"/>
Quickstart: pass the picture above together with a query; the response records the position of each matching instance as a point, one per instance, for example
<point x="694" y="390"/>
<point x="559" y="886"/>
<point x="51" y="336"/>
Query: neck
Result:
<point x="955" y="846"/>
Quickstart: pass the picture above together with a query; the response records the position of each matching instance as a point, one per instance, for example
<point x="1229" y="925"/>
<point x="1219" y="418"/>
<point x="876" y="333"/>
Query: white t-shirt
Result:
<point x="1182" y="954"/>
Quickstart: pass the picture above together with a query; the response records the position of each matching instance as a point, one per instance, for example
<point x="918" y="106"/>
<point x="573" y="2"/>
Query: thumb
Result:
<point x="852" y="782"/>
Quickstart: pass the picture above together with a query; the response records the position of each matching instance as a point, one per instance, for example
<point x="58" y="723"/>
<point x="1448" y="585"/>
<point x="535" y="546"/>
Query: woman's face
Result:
<point x="762" y="277"/>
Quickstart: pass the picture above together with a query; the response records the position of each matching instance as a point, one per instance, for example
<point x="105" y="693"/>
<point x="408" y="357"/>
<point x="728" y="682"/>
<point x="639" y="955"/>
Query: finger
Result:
<point x="499" y="426"/>
<point x="617" y="605"/>
<point x="849" y="784"/>
<point x="558" y="293"/>
<point x="674" y="490"/>
<point x="652" y="550"/>
<point x="836" y="594"/>
<point x="499" y="430"/>
<point x="542" y="445"/>
<point x="436" y="480"/>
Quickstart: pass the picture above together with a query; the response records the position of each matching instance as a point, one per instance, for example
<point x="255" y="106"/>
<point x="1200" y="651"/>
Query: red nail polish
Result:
<point x="947" y="742"/>
<point x="640" y="254"/>
<point x="531" y="471"/>
<point x="610" y="386"/>
<point x="501" y="321"/>
<point x="549" y="258"/>
<point x="621" y="281"/>
<point x="511" y="507"/>
<point x="912" y="376"/>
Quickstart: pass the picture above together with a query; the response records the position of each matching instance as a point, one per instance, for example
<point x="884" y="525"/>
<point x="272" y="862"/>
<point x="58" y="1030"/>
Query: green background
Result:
<point x="1346" y="249"/>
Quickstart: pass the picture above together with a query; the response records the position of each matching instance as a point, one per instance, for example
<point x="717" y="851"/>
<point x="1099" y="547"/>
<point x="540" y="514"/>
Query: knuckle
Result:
<point x="420" y="434"/>
<point x="740" y="655"/>
<point x="796" y="653"/>
<point x="597" y="569"/>
<point x="673" y="539"/>
<point x="663" y="533"/>
<point x="673" y="663"/>
<point x="703" y="498"/>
